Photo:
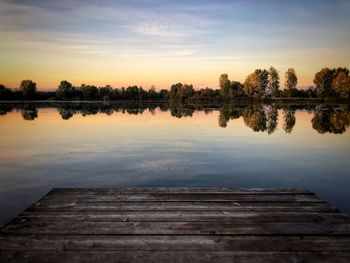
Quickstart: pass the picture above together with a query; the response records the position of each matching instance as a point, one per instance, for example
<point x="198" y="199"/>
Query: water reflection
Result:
<point x="289" y="119"/>
<point x="29" y="112"/>
<point x="334" y="119"/>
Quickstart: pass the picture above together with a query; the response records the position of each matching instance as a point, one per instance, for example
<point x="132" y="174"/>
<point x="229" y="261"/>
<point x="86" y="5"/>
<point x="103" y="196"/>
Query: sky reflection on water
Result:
<point x="46" y="147"/>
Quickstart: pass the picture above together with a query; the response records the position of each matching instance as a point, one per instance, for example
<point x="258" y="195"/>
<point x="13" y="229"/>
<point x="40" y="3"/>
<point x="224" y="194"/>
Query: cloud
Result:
<point x="92" y="29"/>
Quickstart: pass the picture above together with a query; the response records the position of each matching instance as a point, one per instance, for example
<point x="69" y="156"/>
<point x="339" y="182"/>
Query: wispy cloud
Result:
<point x="223" y="33"/>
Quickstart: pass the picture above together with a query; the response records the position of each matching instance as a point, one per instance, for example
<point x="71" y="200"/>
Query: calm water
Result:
<point x="88" y="145"/>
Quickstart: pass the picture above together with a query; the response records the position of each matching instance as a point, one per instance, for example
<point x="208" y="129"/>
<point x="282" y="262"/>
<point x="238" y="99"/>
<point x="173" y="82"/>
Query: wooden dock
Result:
<point x="177" y="225"/>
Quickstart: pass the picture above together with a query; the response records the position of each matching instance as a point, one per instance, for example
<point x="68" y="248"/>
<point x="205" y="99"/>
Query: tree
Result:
<point x="185" y="92"/>
<point x="291" y="80"/>
<point x="106" y="93"/>
<point x="65" y="90"/>
<point x="256" y="83"/>
<point x="236" y="89"/>
<point x="28" y="88"/>
<point x="5" y="93"/>
<point x="152" y="93"/>
<point x="174" y="90"/>
<point x="225" y="85"/>
<point x="341" y="83"/>
<point x="274" y="82"/>
<point x="89" y="92"/>
<point x="323" y="81"/>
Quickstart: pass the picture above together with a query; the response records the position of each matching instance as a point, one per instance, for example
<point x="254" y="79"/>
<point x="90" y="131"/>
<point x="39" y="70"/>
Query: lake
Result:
<point x="46" y="145"/>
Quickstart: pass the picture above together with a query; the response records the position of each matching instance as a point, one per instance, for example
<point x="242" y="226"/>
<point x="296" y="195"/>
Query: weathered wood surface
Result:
<point x="177" y="225"/>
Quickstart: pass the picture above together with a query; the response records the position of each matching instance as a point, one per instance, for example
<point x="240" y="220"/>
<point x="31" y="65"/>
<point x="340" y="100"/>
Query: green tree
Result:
<point x="274" y="82"/>
<point x="174" y="90"/>
<point x="28" y="89"/>
<point x="291" y="80"/>
<point x="236" y="89"/>
<point x="341" y="83"/>
<point x="323" y="81"/>
<point x="185" y="92"/>
<point x="225" y="85"/>
<point x="256" y="83"/>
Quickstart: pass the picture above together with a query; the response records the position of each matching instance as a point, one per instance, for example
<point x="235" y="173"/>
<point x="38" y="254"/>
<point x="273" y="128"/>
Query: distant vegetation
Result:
<point x="262" y="84"/>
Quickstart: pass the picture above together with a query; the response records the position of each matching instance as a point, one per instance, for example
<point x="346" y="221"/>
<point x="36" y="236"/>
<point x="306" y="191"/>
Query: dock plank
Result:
<point x="182" y="216"/>
<point x="180" y="197"/>
<point x="184" y="206"/>
<point x="181" y="228"/>
<point x="175" y="256"/>
<point x="173" y="243"/>
<point x="177" y="225"/>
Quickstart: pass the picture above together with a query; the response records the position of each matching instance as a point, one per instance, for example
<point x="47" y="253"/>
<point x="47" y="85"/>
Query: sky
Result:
<point x="161" y="42"/>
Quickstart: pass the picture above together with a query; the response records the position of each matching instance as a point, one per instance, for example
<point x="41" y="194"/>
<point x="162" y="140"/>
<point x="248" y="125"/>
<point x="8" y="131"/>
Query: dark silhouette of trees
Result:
<point x="5" y="93"/>
<point x="89" y="92"/>
<point x="65" y="90"/>
<point x="106" y="93"/>
<point x="28" y="89"/>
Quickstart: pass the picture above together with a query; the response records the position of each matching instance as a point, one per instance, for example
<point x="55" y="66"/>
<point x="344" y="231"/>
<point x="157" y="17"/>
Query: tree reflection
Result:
<point x="5" y="108"/>
<point x="334" y="121"/>
<point x="180" y="110"/>
<point x="228" y="113"/>
<point x="255" y="118"/>
<point x="272" y="119"/>
<point x="66" y="114"/>
<point x="289" y="120"/>
<point x="29" y="112"/>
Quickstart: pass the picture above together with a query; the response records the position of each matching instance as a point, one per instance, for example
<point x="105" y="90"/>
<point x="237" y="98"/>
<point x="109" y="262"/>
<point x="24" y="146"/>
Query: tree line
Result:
<point x="262" y="84"/>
